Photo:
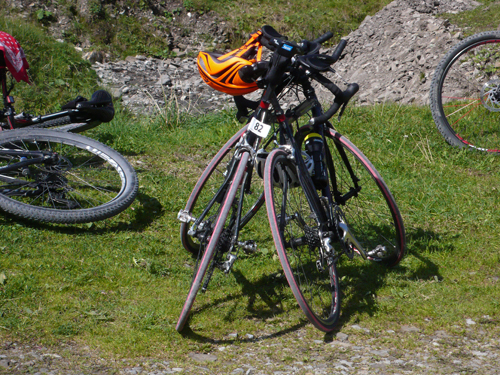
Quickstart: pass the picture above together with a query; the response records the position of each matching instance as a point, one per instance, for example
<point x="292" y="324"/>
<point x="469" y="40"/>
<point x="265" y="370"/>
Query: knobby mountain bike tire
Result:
<point x="87" y="182"/>
<point x="209" y="183"/>
<point x="64" y="124"/>
<point x="465" y="93"/>
<point x="215" y="237"/>
<point x="313" y="280"/>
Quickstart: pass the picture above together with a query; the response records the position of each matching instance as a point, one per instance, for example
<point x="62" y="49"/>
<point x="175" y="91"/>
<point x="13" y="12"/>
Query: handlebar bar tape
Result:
<point x="340" y="48"/>
<point x="341" y="98"/>
<point x="323" y="38"/>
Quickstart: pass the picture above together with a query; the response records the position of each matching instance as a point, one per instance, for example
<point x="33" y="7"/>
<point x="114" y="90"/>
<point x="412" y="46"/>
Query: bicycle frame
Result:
<point x="334" y="198"/>
<point x="84" y="116"/>
<point x="39" y="157"/>
<point x="286" y="132"/>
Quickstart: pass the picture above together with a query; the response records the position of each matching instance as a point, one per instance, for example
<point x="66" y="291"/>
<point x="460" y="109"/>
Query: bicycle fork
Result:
<point x="228" y="241"/>
<point x="224" y="238"/>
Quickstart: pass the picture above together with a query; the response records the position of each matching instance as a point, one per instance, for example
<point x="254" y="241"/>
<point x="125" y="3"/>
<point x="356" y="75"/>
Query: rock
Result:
<point x="409" y="329"/>
<point x="341" y="336"/>
<point x="203" y="357"/>
<point x="391" y="56"/>
<point x="380" y="353"/>
<point x="165" y="80"/>
<point x="95" y="57"/>
<point x="133" y="371"/>
<point x="405" y="31"/>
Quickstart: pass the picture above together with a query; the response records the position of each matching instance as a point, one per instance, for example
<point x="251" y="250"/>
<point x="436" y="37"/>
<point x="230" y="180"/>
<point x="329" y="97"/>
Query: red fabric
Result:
<point x="14" y="57"/>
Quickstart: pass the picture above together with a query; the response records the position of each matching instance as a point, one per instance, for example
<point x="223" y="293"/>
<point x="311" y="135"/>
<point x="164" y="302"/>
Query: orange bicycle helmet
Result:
<point x="220" y="71"/>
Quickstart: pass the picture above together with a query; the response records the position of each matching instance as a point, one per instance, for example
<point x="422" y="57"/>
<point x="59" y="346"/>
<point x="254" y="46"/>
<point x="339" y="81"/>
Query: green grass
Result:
<point x="106" y="26"/>
<point x="109" y="29"/>
<point x="119" y="285"/>
<point x="57" y="71"/>
<point x="297" y="19"/>
<point x="485" y="17"/>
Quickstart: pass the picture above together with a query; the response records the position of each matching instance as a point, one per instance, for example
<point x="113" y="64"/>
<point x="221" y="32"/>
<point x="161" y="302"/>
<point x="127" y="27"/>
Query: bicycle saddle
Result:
<point x="99" y="107"/>
<point x="99" y="98"/>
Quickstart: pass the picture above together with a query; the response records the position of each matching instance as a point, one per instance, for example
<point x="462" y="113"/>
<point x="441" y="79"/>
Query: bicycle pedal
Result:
<point x="379" y="252"/>
<point x="185" y="217"/>
<point x="248" y="247"/>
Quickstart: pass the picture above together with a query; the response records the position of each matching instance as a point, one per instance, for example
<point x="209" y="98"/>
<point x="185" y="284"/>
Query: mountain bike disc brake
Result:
<point x="490" y="95"/>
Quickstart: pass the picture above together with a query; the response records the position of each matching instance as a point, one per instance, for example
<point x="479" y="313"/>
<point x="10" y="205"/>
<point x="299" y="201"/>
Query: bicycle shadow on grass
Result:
<point x="360" y="281"/>
<point x="267" y="290"/>
<point x="148" y="210"/>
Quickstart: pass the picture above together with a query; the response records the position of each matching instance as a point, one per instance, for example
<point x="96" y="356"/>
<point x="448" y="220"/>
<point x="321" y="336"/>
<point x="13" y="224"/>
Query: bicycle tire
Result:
<point x="296" y="236"/>
<point x="51" y="123"/>
<point x="89" y="182"/>
<point x="372" y="215"/>
<point x="207" y="186"/>
<point x="65" y="124"/>
<point x="213" y="237"/>
<point x="465" y="93"/>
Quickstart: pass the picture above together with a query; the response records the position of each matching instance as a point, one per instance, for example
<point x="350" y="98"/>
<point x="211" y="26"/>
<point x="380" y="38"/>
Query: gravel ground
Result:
<point x="472" y="348"/>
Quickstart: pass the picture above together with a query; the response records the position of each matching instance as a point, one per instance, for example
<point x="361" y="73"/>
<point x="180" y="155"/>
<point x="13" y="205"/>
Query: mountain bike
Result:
<point x="465" y="93"/>
<point x="56" y="176"/>
<point x="323" y="196"/>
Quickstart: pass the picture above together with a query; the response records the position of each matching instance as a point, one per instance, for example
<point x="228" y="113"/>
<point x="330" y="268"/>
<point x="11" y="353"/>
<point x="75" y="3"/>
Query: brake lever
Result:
<point x="351" y="90"/>
<point x="341" y="112"/>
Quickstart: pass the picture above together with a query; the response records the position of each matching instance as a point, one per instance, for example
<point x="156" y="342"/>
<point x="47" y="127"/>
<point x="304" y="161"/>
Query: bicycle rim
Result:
<point x="465" y="93"/>
<point x="371" y="214"/>
<point x="86" y="182"/>
<point x="312" y="278"/>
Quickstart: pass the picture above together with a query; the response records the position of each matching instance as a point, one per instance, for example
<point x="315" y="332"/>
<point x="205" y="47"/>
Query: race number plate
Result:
<point x="259" y="128"/>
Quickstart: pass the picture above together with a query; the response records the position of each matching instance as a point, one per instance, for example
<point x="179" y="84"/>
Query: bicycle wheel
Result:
<point x="312" y="277"/>
<point x="465" y="93"/>
<point x="364" y="201"/>
<point x="207" y="186"/>
<point x="85" y="182"/>
<point x="215" y="241"/>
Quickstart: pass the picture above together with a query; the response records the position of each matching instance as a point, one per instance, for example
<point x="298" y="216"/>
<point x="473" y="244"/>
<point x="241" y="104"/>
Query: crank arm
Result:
<point x="350" y="240"/>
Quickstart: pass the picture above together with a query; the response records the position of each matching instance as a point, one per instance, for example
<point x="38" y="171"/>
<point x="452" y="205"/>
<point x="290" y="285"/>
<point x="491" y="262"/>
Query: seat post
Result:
<point x="3" y="78"/>
<point x="8" y="110"/>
